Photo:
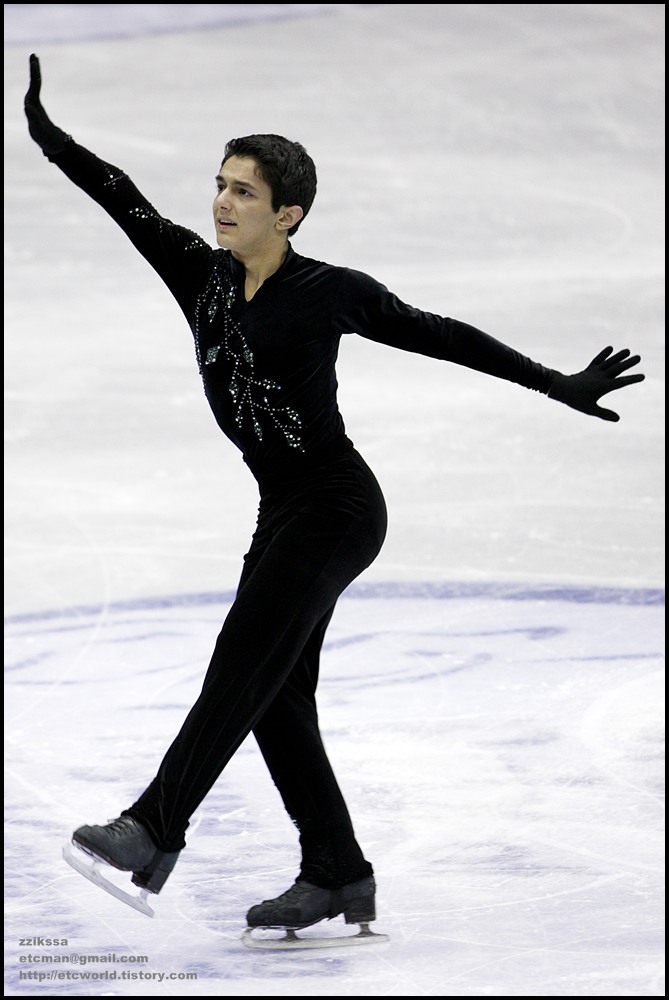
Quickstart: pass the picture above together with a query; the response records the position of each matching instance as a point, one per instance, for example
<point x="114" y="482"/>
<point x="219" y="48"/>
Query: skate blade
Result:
<point x="90" y="870"/>
<point x="291" y="941"/>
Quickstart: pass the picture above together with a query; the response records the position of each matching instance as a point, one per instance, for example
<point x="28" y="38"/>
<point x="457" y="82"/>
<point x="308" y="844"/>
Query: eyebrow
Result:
<point x="235" y="180"/>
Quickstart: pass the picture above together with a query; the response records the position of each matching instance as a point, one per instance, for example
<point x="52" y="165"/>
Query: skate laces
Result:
<point x="121" y="826"/>
<point x="297" y="891"/>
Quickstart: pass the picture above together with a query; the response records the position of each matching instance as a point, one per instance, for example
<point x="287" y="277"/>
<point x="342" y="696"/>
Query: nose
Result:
<point x="221" y="200"/>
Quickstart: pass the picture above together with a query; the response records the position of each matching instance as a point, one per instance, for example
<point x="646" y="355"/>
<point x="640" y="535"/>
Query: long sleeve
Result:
<point x="371" y="310"/>
<point x="178" y="255"/>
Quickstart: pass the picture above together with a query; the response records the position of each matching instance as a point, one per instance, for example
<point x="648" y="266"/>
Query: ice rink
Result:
<point x="492" y="688"/>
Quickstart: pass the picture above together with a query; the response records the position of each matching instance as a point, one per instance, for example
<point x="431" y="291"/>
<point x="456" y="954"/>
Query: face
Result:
<point x="244" y="218"/>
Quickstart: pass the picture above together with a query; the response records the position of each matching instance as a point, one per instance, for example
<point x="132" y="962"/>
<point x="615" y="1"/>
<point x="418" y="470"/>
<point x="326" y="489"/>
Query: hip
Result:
<point x="342" y="490"/>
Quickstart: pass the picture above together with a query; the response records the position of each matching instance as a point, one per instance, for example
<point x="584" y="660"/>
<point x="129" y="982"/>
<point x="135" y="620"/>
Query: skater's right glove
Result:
<point x="51" y="139"/>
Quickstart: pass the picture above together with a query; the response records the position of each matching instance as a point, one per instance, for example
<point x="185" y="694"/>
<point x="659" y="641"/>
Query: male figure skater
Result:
<point x="266" y="323"/>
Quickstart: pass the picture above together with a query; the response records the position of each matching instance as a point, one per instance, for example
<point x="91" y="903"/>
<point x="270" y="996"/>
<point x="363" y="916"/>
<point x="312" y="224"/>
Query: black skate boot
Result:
<point x="125" y="844"/>
<point x="305" y="904"/>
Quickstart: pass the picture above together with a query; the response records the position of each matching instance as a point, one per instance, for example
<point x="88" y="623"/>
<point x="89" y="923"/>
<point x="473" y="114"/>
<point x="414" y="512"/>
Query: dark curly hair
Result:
<point x="284" y="165"/>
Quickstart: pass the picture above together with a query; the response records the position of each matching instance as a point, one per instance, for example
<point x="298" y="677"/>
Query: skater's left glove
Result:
<point x="581" y="391"/>
<point x="48" y="136"/>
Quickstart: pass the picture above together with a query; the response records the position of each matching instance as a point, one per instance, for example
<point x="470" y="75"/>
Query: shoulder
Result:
<point x="342" y="277"/>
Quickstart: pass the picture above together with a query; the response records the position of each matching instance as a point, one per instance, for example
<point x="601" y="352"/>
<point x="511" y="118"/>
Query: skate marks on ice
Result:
<point x="500" y="751"/>
<point x="25" y="25"/>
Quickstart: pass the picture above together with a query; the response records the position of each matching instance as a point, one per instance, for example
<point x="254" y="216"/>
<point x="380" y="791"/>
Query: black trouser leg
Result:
<point x="290" y="740"/>
<point x="313" y="538"/>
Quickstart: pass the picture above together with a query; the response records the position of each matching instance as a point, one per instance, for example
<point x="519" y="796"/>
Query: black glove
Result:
<point x="581" y="391"/>
<point x="48" y="136"/>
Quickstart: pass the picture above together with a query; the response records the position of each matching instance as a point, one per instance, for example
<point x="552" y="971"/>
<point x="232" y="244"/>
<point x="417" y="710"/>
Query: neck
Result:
<point x="261" y="266"/>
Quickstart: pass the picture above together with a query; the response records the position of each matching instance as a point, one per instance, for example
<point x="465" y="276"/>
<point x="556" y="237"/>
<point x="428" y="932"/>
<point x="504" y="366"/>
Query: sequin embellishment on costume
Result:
<point x="252" y="396"/>
<point x="145" y="213"/>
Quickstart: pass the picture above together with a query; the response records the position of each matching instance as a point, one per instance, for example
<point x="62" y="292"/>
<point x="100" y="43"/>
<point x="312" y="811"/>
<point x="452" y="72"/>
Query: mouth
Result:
<point x="225" y="224"/>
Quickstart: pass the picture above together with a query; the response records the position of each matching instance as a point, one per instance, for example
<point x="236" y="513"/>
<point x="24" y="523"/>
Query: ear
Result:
<point x="288" y="216"/>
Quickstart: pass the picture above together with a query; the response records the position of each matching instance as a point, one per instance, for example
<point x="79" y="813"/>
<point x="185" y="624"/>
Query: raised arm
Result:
<point x="182" y="258"/>
<point x="51" y="139"/>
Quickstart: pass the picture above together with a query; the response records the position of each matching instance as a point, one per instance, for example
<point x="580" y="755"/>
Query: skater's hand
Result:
<point x="48" y="136"/>
<point x="581" y="391"/>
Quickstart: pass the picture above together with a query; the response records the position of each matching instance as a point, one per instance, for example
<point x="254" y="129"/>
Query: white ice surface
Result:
<point x="491" y="690"/>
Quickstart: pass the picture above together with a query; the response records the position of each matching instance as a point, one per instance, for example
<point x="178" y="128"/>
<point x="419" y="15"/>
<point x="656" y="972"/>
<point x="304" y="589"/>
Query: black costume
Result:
<point x="268" y="367"/>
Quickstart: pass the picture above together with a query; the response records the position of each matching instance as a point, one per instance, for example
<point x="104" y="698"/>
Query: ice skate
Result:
<point x="305" y="904"/>
<point x="125" y="845"/>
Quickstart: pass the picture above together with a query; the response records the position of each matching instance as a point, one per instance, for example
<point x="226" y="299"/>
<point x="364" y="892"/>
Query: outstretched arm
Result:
<point x="51" y="139"/>
<point x="583" y="390"/>
<point x="367" y="307"/>
<point x="182" y="259"/>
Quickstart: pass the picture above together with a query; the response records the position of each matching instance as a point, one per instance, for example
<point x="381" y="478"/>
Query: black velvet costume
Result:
<point x="268" y="367"/>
